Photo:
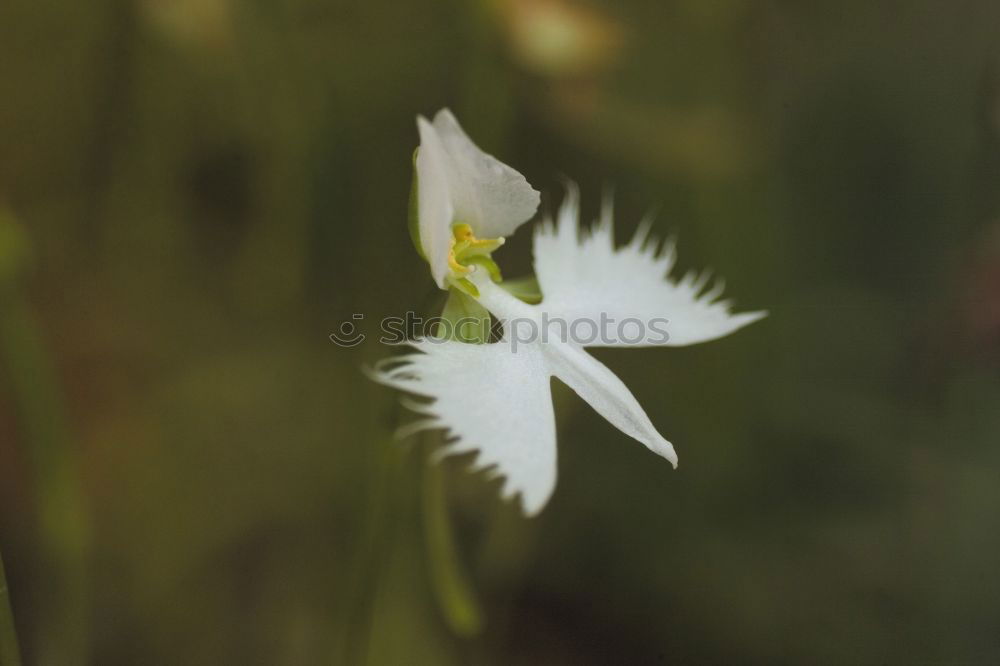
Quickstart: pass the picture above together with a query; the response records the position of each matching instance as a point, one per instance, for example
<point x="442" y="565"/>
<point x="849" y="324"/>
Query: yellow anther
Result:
<point x="463" y="232"/>
<point x="465" y="248"/>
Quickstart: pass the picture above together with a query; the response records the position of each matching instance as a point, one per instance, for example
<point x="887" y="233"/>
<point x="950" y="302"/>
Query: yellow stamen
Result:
<point x="467" y="250"/>
<point x="457" y="268"/>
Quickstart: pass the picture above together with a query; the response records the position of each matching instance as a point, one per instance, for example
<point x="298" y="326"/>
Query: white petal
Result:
<point x="486" y="193"/>
<point x="607" y="394"/>
<point x="490" y="400"/>
<point x="584" y="277"/>
<point x="434" y="205"/>
<point x="588" y="377"/>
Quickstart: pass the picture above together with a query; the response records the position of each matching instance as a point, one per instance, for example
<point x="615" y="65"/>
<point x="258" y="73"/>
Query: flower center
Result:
<point x="466" y="253"/>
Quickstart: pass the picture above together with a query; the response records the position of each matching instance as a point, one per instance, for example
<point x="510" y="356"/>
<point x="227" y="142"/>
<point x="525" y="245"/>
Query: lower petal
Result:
<point x="607" y="394"/>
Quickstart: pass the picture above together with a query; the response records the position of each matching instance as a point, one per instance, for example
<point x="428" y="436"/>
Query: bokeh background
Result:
<point x="195" y="193"/>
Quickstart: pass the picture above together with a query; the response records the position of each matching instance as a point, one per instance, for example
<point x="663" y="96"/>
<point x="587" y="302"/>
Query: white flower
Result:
<point x="496" y="399"/>
<point x="458" y="184"/>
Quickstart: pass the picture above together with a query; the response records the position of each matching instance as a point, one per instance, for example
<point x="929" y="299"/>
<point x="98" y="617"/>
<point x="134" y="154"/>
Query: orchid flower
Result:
<point x="496" y="398"/>
<point x="467" y="202"/>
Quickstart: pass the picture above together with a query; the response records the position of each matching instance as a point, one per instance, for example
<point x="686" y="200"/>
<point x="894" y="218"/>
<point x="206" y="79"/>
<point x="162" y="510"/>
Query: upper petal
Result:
<point x="486" y="193"/>
<point x="584" y="276"/>
<point x="434" y="200"/>
<point x="490" y="400"/>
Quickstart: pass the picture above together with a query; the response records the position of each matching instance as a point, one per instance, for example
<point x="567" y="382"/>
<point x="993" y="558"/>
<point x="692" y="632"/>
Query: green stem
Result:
<point x="450" y="582"/>
<point x="62" y="519"/>
<point x="451" y="585"/>
<point x="10" y="653"/>
<point x="371" y="556"/>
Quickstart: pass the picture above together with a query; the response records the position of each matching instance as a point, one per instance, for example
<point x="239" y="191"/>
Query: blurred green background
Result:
<point x="195" y="193"/>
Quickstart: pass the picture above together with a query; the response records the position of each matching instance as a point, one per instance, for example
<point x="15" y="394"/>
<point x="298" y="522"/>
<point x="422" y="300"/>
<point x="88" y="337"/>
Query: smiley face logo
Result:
<point x="347" y="334"/>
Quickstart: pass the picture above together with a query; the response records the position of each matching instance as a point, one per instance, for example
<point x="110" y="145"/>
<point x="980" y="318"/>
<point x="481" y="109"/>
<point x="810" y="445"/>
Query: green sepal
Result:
<point x="464" y="285"/>
<point x="526" y="289"/>
<point x="413" y="215"/>
<point x="468" y="321"/>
